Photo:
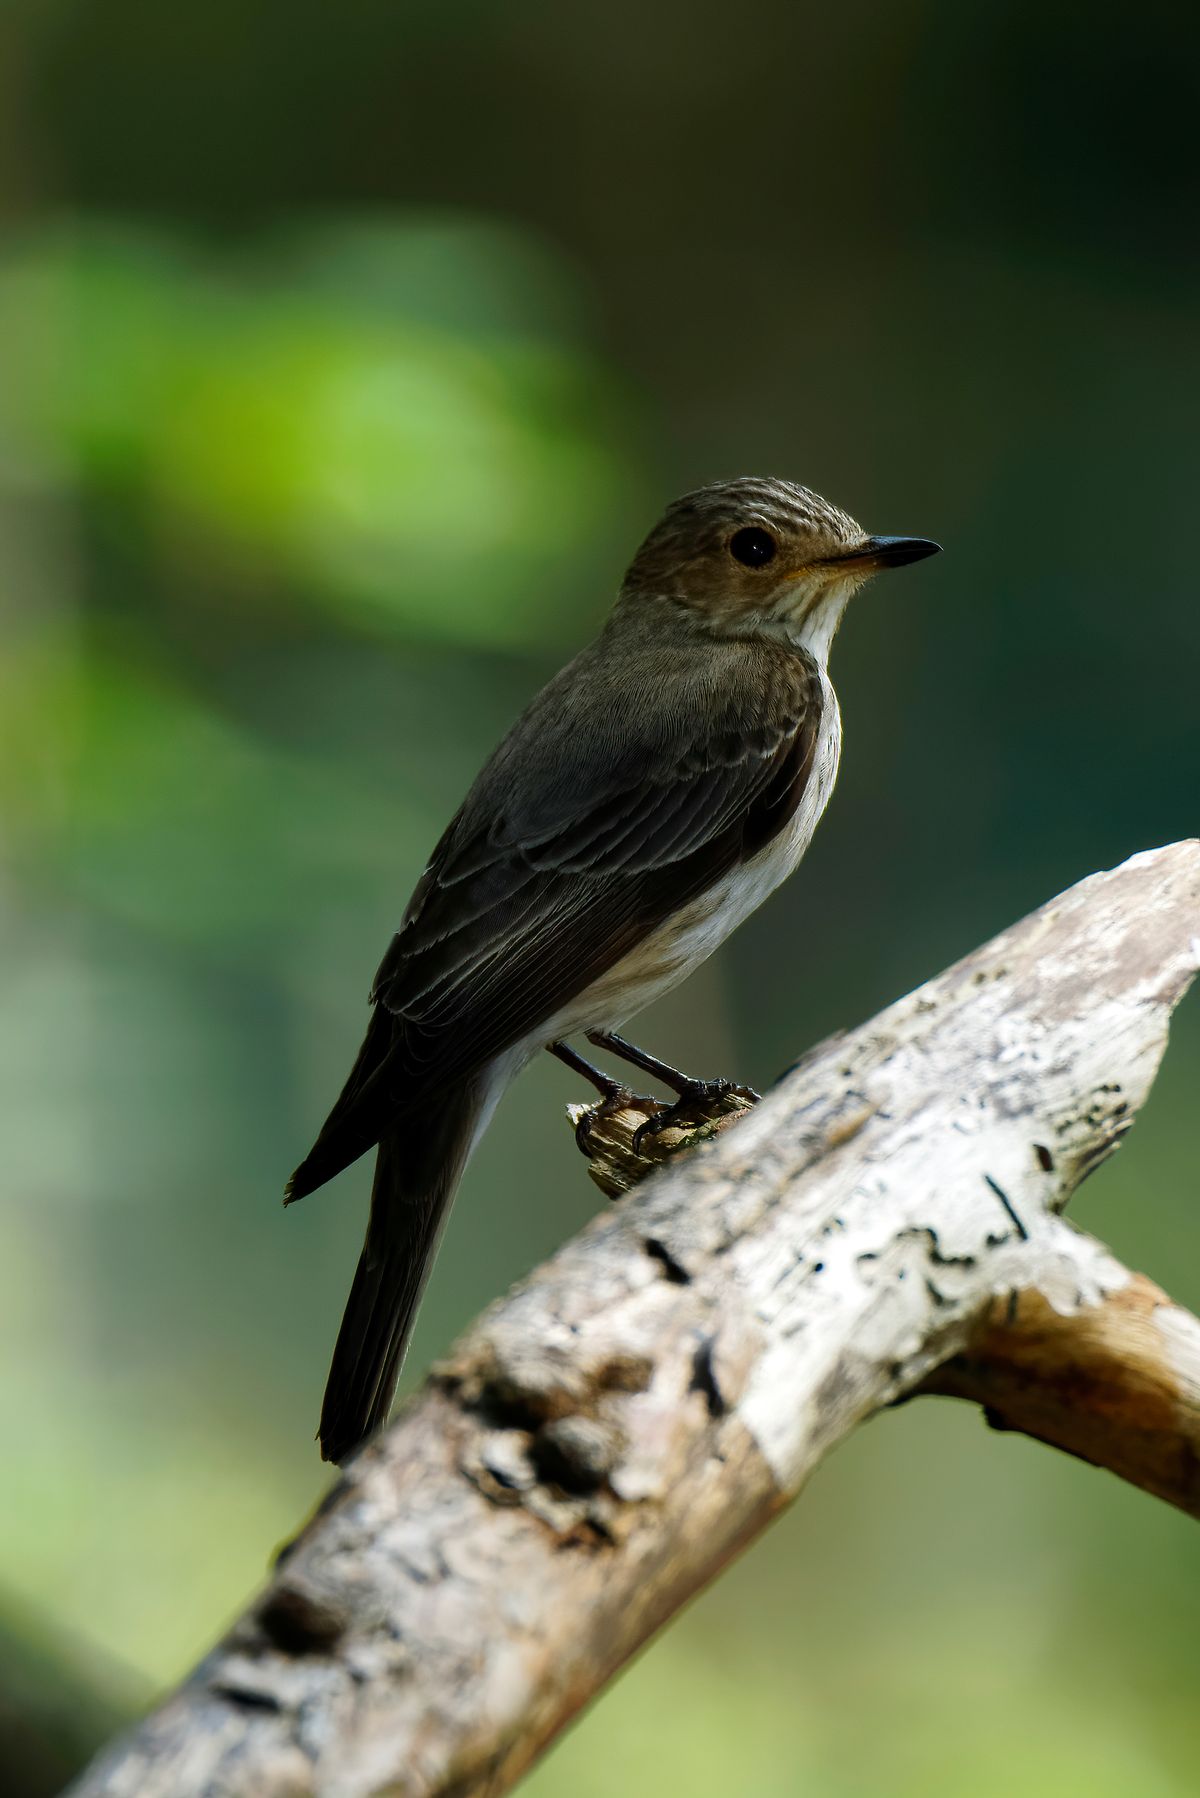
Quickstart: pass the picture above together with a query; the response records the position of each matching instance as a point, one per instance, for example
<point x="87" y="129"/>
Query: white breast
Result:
<point x="684" y="941"/>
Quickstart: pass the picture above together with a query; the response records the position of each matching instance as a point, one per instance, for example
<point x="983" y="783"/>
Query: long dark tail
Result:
<point x="416" y="1172"/>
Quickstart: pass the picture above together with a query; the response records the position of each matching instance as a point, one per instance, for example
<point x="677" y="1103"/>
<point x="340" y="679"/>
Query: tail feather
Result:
<point x="416" y="1173"/>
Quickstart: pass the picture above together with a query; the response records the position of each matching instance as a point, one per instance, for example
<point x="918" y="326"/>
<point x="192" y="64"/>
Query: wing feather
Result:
<point x="578" y="840"/>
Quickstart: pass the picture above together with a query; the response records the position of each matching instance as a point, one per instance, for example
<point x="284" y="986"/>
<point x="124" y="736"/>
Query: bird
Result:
<point x="648" y="799"/>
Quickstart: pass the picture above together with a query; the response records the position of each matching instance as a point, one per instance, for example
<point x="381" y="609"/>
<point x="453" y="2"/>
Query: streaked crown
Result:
<point x="697" y="550"/>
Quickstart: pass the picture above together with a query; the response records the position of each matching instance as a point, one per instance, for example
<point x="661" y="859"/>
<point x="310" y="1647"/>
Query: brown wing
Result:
<point x="564" y="857"/>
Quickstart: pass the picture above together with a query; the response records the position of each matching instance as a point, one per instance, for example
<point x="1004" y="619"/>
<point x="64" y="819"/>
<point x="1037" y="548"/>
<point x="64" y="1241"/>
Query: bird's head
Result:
<point x="763" y="554"/>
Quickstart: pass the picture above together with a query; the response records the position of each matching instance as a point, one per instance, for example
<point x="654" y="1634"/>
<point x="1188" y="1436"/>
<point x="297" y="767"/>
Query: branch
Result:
<point x="1117" y="1383"/>
<point x="605" y="1438"/>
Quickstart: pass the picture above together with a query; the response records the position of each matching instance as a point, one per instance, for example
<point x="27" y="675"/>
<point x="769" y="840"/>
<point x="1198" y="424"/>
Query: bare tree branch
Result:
<point x="604" y="1439"/>
<point x="1117" y="1383"/>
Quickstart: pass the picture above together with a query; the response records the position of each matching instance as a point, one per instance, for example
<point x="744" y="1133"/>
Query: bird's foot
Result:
<point x="692" y="1107"/>
<point x="617" y="1098"/>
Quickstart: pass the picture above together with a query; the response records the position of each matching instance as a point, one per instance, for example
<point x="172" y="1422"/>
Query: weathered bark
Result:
<point x="1117" y="1383"/>
<point x="605" y="1438"/>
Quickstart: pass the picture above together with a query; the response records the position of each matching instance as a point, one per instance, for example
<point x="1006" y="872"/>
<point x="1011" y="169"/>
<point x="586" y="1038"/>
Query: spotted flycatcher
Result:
<point x="648" y="800"/>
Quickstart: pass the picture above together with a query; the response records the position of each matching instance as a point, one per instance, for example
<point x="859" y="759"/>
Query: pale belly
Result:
<point x="670" y="954"/>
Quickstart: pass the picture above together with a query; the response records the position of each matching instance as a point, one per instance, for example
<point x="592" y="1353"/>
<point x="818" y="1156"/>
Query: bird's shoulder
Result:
<point x="634" y="709"/>
<point x="633" y="756"/>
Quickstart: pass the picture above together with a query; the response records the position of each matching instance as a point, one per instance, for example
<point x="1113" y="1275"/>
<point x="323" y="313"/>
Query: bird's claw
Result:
<point x="621" y="1098"/>
<point x="690" y="1107"/>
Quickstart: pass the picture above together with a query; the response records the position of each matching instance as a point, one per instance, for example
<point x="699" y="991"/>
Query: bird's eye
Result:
<point x="753" y="546"/>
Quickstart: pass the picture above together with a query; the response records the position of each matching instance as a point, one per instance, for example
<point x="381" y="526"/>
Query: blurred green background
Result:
<point x="345" y="355"/>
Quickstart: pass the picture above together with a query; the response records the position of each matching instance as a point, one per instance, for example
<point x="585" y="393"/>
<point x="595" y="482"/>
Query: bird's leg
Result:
<point x="694" y="1095"/>
<point x="614" y="1095"/>
<point x="685" y="1085"/>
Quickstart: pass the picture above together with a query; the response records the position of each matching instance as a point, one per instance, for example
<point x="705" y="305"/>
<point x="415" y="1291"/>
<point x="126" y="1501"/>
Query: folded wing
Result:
<point x="584" y="833"/>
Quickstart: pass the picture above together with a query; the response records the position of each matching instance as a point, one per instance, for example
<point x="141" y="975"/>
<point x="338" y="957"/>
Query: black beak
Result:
<point x="888" y="552"/>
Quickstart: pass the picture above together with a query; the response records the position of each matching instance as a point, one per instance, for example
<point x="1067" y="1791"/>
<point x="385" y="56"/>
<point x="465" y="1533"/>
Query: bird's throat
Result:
<point x="815" y="626"/>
